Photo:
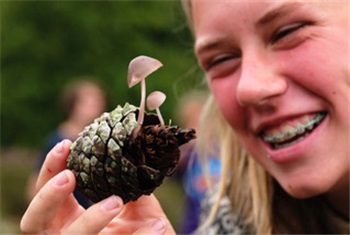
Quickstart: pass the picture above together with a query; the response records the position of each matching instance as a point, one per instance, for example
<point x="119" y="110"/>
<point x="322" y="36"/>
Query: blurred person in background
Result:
<point x="194" y="178"/>
<point x="82" y="100"/>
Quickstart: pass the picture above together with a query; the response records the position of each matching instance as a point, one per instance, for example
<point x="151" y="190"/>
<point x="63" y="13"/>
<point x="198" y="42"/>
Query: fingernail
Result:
<point x="61" y="179"/>
<point x="111" y="203"/>
<point x="59" y="147"/>
<point x="158" y="226"/>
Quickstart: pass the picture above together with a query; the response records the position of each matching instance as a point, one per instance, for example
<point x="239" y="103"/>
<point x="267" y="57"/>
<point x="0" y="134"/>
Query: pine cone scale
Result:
<point x="108" y="159"/>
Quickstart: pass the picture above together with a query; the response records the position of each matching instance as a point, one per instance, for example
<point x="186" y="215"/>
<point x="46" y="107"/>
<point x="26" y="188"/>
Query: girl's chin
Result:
<point x="302" y="189"/>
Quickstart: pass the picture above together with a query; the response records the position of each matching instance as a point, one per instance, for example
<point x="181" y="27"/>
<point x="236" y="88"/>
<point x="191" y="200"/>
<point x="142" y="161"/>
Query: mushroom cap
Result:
<point x="140" y="67"/>
<point x="155" y="100"/>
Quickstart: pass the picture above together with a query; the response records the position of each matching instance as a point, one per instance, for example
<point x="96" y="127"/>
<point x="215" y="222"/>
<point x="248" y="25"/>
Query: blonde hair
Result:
<point x="245" y="182"/>
<point x="255" y="196"/>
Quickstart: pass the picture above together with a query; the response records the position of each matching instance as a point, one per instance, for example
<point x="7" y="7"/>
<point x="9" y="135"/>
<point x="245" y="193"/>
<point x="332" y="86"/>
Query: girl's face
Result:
<point x="279" y="71"/>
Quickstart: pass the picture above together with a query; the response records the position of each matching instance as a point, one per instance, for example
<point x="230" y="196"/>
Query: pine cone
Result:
<point x="108" y="159"/>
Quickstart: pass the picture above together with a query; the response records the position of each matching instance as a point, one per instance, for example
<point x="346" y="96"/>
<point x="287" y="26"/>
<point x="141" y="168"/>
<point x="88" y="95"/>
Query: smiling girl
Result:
<point x="279" y="74"/>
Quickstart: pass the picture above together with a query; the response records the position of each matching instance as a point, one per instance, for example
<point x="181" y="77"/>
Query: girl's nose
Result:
<point x="259" y="81"/>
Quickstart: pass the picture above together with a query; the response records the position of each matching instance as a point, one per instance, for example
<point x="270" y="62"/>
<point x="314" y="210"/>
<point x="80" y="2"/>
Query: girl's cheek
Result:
<point x="221" y="92"/>
<point x="224" y="93"/>
<point x="311" y="67"/>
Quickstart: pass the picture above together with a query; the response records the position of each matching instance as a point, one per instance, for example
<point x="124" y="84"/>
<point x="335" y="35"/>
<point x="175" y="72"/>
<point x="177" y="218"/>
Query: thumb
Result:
<point x="158" y="226"/>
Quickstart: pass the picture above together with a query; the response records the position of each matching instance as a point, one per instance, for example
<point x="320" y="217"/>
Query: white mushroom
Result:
<point x="154" y="101"/>
<point x="139" y="68"/>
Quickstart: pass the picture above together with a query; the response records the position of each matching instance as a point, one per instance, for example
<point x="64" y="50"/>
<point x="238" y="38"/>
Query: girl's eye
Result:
<point x="284" y="31"/>
<point x="220" y="59"/>
<point x="222" y="65"/>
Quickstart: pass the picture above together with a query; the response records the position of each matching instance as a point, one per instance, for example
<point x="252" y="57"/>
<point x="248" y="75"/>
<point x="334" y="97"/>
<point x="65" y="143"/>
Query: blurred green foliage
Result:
<point x="44" y="44"/>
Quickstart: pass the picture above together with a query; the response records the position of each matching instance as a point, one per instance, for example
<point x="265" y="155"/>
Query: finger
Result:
<point x="142" y="213"/>
<point x="149" y="203"/>
<point x="54" y="163"/>
<point x="45" y="206"/>
<point x="157" y="227"/>
<point x="94" y="219"/>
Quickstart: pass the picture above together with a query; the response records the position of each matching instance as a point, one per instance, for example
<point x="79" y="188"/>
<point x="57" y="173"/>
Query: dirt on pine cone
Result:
<point x="107" y="159"/>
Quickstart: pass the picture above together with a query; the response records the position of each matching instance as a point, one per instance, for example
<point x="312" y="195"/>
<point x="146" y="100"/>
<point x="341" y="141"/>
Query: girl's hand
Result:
<point x="55" y="210"/>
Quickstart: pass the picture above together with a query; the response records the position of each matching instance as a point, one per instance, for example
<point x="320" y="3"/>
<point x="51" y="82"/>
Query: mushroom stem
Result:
<point x="141" y="114"/>
<point x="160" y="117"/>
<point x="142" y="102"/>
<point x="139" y="69"/>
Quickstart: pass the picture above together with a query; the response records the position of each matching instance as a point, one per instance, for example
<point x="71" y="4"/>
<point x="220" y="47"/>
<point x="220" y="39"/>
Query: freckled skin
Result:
<point x="286" y="66"/>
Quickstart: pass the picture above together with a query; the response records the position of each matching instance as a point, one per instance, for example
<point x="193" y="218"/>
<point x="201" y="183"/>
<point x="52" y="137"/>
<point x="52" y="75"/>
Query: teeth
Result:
<point x="288" y="129"/>
<point x="289" y="132"/>
<point x="300" y="129"/>
<point x="307" y="118"/>
<point x="309" y="128"/>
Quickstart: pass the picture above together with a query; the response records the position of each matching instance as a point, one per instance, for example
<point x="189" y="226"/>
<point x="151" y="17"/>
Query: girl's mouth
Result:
<point x="291" y="133"/>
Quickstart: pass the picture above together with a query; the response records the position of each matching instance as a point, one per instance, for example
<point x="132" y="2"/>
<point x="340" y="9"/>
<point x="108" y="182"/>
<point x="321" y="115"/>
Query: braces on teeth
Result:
<point x="297" y="130"/>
